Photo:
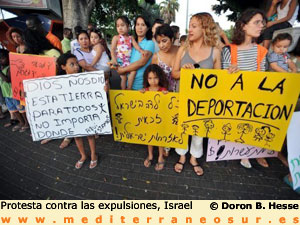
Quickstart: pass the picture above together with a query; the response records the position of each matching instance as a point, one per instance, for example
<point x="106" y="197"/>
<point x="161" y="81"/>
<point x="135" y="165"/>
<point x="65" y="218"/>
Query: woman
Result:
<point x="286" y="11"/>
<point x="84" y="54"/>
<point x="200" y="51"/>
<point x="245" y="54"/>
<point x="15" y="36"/>
<point x="143" y="35"/>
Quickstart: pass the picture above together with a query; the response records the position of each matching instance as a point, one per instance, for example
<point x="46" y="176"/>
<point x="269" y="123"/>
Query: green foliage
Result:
<point x="106" y="12"/>
<point x="168" y="9"/>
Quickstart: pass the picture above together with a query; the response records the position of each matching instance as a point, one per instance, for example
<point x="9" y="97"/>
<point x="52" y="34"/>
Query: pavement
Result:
<point x="29" y="170"/>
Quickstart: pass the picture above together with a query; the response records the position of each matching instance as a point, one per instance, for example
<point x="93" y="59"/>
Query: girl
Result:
<point x="199" y="51"/>
<point x="245" y="54"/>
<point x="15" y="36"/>
<point x="67" y="64"/>
<point x="13" y="105"/>
<point x="121" y="46"/>
<point x="287" y="11"/>
<point x="279" y="59"/>
<point x="155" y="80"/>
<point x="100" y="55"/>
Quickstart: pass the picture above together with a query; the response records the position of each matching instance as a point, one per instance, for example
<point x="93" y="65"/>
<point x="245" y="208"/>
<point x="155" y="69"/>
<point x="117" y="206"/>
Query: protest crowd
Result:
<point x="151" y="59"/>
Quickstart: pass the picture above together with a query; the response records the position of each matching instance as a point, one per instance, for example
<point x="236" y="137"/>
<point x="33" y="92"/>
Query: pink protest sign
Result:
<point x="225" y="150"/>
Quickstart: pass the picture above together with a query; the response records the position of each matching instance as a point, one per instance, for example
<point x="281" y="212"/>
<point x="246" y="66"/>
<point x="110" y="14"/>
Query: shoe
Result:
<point x="93" y="164"/>
<point x="4" y="108"/>
<point x="159" y="166"/>
<point x="79" y="164"/>
<point x="166" y="151"/>
<point x="199" y="172"/>
<point x="290" y="183"/>
<point x="246" y="163"/>
<point x="45" y="141"/>
<point x="11" y="123"/>
<point x="180" y="170"/>
<point x="262" y="162"/>
<point x="65" y="143"/>
<point x="23" y="129"/>
<point x="148" y="162"/>
<point x="16" y="128"/>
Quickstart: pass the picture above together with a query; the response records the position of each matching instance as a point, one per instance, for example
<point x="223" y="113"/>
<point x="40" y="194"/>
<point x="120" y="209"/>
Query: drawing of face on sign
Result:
<point x="184" y="127"/>
<point x="226" y="130"/>
<point x="195" y="128"/>
<point x="269" y="136"/>
<point x="119" y="117"/>
<point x="259" y="134"/>
<point x="244" y="128"/>
<point x="208" y="124"/>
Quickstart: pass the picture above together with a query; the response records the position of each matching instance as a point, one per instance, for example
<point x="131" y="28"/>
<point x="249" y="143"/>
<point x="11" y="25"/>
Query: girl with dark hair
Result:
<point x="100" y="56"/>
<point x="245" y="54"/>
<point x="286" y="11"/>
<point x="15" y="36"/>
<point x="155" y="80"/>
<point x="138" y="61"/>
<point x="121" y="46"/>
<point x="84" y="54"/>
<point x="200" y="51"/>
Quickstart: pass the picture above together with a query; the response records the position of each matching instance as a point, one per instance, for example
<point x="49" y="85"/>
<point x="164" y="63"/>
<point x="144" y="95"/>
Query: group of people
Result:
<point x="152" y="58"/>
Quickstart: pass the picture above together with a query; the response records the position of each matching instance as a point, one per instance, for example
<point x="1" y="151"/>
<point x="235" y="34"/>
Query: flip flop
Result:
<point x="262" y="162"/>
<point x="65" y="143"/>
<point x="159" y="165"/>
<point x="246" y="164"/>
<point x="16" y="128"/>
<point x="290" y="183"/>
<point x="199" y="173"/>
<point x="45" y="141"/>
<point x="79" y="164"/>
<point x="180" y="171"/>
<point x="148" y="161"/>
<point x="93" y="164"/>
<point x="23" y="129"/>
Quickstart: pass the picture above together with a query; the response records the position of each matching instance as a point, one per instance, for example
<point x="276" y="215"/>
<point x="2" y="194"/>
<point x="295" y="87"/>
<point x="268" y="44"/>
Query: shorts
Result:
<point x="13" y="105"/>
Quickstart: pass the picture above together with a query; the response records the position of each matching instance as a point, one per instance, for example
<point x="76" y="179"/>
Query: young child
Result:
<point x="100" y="56"/>
<point x="13" y="105"/>
<point x="121" y="46"/>
<point x="67" y="64"/>
<point x="155" y="80"/>
<point x="279" y="59"/>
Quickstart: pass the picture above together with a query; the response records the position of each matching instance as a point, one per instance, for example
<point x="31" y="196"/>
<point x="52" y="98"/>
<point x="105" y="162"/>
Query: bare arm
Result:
<point x="291" y="11"/>
<point x="136" y="45"/>
<point x="292" y="66"/>
<point x="114" y="43"/>
<point x="272" y="10"/>
<point x="7" y="77"/>
<point x="99" y="50"/>
<point x="86" y="66"/>
<point x="217" y="58"/>
<point x="277" y="68"/>
<point x="225" y="38"/>
<point x="154" y="59"/>
<point x="136" y="65"/>
<point x="176" y="67"/>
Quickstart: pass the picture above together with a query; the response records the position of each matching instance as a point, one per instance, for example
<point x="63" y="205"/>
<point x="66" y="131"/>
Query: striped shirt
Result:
<point x="247" y="59"/>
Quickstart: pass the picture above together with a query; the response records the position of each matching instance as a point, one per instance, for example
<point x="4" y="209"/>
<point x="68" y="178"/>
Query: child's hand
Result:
<point x="143" y="90"/>
<point x="165" y="92"/>
<point x="143" y="52"/>
<point x="233" y="69"/>
<point x="113" y="65"/>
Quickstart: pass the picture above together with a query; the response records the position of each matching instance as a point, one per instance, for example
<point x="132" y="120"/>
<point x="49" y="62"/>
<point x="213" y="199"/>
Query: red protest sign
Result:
<point x="23" y="67"/>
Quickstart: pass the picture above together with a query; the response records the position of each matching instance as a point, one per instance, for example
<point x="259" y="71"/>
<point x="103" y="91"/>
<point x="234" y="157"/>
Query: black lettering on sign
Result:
<point x="278" y="86"/>
<point x="239" y="81"/>
<point x="210" y="81"/>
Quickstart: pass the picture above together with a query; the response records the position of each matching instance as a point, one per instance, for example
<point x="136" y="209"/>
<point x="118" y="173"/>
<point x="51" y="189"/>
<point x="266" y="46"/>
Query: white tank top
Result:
<point x="283" y="12"/>
<point x="102" y="63"/>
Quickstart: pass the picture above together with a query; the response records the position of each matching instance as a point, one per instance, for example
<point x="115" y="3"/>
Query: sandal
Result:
<point x="180" y="170"/>
<point x="16" y="128"/>
<point x="199" y="172"/>
<point x="246" y="163"/>
<point x="23" y="129"/>
<point x="65" y="143"/>
<point x="45" y="141"/>
<point x="93" y="164"/>
<point x="262" y="162"/>
<point x="79" y="164"/>
<point x="159" y="166"/>
<point x="166" y="152"/>
<point x="148" y="162"/>
<point x="11" y="123"/>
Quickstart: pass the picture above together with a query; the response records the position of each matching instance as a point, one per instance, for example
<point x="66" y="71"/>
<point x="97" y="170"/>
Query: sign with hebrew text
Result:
<point x="149" y="118"/>
<point x="251" y="108"/>
<point x="67" y="106"/>
<point x="24" y="66"/>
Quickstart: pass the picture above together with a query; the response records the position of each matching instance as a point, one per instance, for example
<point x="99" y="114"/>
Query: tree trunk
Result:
<point x="77" y="12"/>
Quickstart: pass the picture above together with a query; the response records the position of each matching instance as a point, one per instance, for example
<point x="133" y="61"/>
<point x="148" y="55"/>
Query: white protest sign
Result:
<point x="67" y="106"/>
<point x="226" y="150"/>
<point x="293" y="145"/>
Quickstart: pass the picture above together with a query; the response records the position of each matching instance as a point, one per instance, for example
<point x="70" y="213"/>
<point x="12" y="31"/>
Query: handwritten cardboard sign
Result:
<point x="67" y="106"/>
<point x="148" y="118"/>
<point x="23" y="67"/>
<point x="224" y="150"/>
<point x="246" y="107"/>
<point x="294" y="149"/>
